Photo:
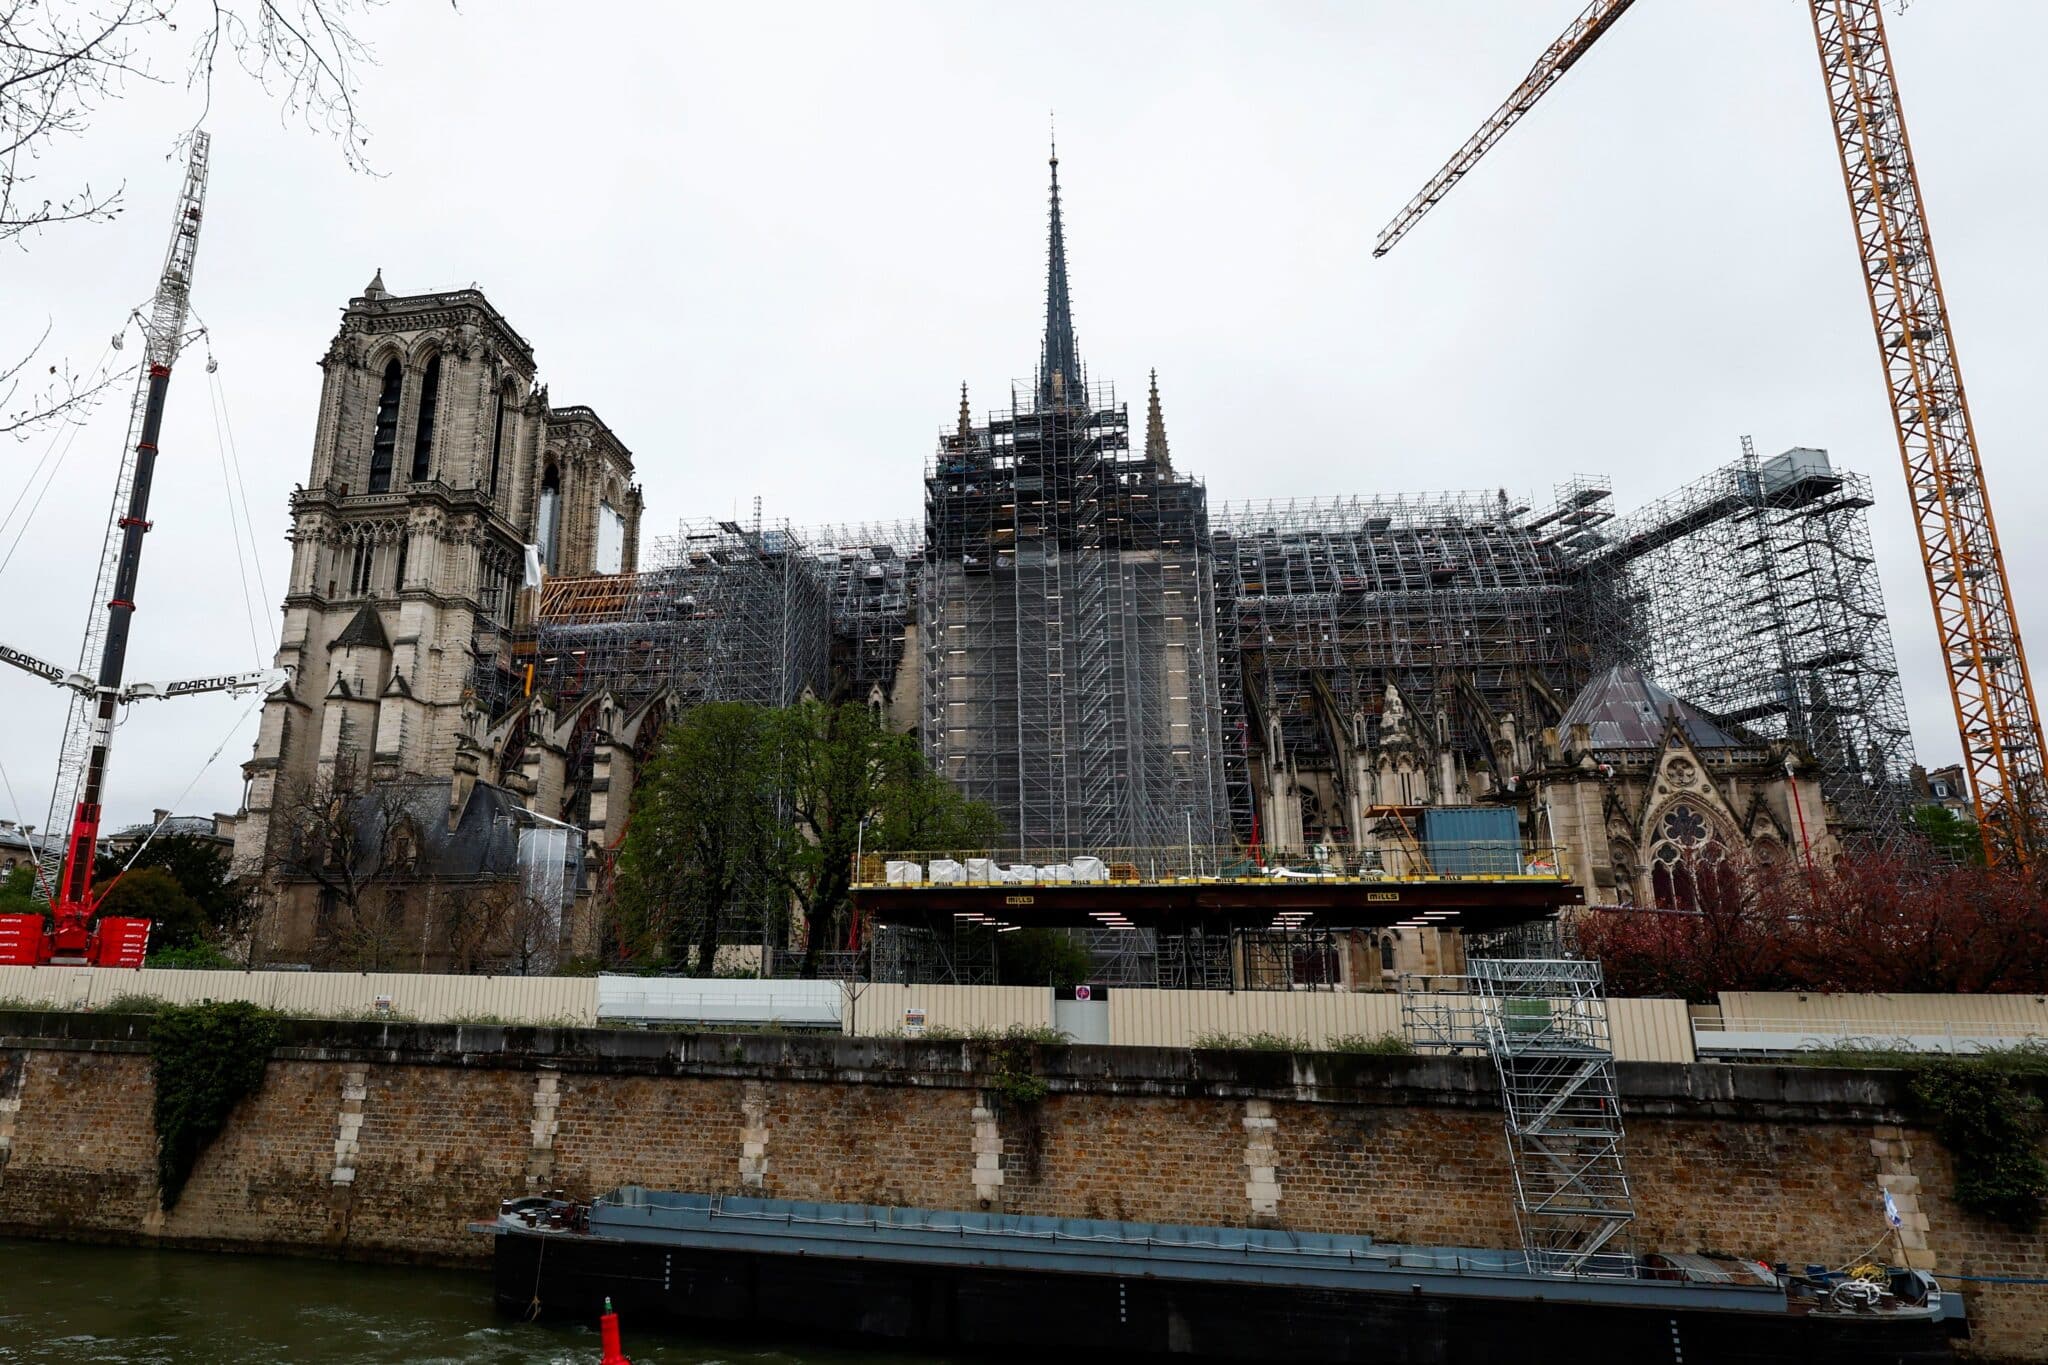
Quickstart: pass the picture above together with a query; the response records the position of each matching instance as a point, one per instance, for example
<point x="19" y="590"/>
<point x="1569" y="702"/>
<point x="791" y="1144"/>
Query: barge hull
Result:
<point x="1033" y="1313"/>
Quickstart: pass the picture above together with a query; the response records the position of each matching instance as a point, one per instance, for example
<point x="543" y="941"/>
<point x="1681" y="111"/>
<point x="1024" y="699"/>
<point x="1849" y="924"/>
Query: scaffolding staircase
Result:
<point x="1543" y="1021"/>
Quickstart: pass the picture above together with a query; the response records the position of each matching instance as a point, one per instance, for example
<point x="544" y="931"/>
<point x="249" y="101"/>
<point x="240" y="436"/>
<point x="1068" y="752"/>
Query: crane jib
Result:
<point x="1997" y="718"/>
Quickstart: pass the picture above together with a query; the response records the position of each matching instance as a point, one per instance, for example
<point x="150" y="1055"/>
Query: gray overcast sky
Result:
<point x="767" y="243"/>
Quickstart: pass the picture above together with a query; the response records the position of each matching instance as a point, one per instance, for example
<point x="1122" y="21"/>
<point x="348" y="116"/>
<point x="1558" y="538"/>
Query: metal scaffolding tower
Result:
<point x="1458" y="600"/>
<point x="870" y="571"/>
<point x="1067" y="622"/>
<point x="1067" y="614"/>
<point x="723" y="613"/>
<point x="1756" y="598"/>
<point x="1543" y="1021"/>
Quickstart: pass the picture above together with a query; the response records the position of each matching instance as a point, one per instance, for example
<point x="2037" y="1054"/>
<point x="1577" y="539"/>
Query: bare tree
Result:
<point x="61" y="61"/>
<point x="359" y="847"/>
<point x="500" y="925"/>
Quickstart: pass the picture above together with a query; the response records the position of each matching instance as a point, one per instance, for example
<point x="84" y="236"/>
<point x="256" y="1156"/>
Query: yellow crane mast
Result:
<point x="1988" y="680"/>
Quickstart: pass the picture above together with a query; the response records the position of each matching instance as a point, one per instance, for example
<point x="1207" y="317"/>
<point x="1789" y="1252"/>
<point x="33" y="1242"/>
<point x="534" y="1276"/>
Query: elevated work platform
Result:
<point x="1210" y="890"/>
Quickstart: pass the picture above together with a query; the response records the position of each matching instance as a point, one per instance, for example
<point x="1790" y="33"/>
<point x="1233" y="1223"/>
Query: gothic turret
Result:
<point x="1155" y="431"/>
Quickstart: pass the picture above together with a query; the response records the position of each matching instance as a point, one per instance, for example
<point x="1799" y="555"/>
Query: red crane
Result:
<point x="1996" y="715"/>
<point x="72" y="935"/>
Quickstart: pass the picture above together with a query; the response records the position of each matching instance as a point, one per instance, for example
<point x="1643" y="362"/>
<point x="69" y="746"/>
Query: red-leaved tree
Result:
<point x="1875" y="922"/>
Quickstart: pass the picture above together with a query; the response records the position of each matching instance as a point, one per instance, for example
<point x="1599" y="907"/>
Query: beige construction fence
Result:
<point x="1643" y="1030"/>
<point x="432" y="999"/>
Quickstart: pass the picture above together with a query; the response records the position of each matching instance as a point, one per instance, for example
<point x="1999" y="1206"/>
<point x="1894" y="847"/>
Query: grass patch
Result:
<point x="1016" y="1033"/>
<point x="1372" y="1045"/>
<point x="133" y="1004"/>
<point x="2029" y="1058"/>
<point x="1250" y="1042"/>
<point x="1351" y="1044"/>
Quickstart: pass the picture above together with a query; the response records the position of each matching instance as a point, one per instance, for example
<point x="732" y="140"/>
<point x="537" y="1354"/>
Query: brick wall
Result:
<point x="385" y="1140"/>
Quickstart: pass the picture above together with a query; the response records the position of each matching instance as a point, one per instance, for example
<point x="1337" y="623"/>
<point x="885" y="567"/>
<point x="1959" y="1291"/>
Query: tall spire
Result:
<point x="1059" y="370"/>
<point x="1155" y="431"/>
<point x="966" y="431"/>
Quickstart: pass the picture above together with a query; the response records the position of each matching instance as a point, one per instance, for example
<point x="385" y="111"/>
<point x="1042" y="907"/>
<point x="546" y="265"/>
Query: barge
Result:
<point x="1029" y="1286"/>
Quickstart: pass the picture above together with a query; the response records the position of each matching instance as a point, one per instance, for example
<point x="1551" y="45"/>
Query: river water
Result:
<point x="133" y="1306"/>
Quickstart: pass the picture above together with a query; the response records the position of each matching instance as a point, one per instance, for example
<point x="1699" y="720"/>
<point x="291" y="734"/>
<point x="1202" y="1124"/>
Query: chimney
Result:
<point x="159" y="815"/>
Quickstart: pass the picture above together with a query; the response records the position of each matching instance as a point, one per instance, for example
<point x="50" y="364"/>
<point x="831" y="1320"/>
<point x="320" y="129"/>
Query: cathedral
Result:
<point x="443" y="483"/>
<point x="481" y="663"/>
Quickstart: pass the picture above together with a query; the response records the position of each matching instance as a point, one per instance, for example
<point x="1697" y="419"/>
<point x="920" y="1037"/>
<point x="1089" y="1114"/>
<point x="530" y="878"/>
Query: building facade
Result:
<point x="439" y="469"/>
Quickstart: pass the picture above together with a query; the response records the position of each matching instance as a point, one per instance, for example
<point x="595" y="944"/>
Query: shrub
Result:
<point x="1993" y="1130"/>
<point x="207" y="1058"/>
<point x="1982" y="1111"/>
<point x="1038" y="957"/>
<point x="1874" y="922"/>
<point x="133" y="1004"/>
<point x="199" y="957"/>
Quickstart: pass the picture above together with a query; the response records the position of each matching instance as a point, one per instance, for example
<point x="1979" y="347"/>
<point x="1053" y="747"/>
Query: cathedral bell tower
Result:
<point x="436" y="461"/>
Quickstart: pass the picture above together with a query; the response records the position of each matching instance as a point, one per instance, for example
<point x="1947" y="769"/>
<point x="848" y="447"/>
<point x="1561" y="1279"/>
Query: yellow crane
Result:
<point x="1966" y="578"/>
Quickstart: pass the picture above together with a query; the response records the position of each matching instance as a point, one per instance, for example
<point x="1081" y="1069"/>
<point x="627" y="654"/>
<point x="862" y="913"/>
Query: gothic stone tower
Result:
<point x="1066" y="613"/>
<point x="436" y="461"/>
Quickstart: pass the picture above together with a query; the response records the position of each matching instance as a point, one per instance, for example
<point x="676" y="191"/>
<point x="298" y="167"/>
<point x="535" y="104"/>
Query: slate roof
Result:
<point x="365" y="631"/>
<point x="485" y="843"/>
<point x="1623" y="709"/>
<point x="197" y="826"/>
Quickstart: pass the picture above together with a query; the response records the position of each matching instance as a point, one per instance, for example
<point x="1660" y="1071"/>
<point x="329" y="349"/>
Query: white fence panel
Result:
<point x="712" y="1000"/>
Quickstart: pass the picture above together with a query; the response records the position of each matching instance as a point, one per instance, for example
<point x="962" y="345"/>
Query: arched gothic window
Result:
<point x="550" y="527"/>
<point x="1386" y="952"/>
<point x="385" y="441"/>
<point x="1689" y="862"/>
<point x="497" y="442"/>
<point x="423" y="430"/>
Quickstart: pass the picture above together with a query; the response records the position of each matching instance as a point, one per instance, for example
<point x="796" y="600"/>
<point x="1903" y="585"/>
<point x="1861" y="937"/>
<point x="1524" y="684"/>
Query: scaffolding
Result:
<point x="1758" y="601"/>
<point x="870" y="571"/>
<point x="723" y="613"/>
<point x="1543" y="1021"/>
<point x="1067" y="623"/>
<point x="1458" y="602"/>
<point x="962" y="954"/>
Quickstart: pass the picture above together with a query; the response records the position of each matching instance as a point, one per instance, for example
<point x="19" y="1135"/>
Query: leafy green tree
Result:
<point x="1038" y="957"/>
<point x="1950" y="833"/>
<point x="203" y="957"/>
<point x="202" y="870"/>
<point x="750" y="808"/>
<point x="152" y="893"/>
<point x="852" y="784"/>
<point x="17" y="892"/>
<point x="704" y="836"/>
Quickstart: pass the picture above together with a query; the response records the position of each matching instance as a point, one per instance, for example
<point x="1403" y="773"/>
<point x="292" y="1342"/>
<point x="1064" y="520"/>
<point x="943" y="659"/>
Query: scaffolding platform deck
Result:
<point x="1208" y="890"/>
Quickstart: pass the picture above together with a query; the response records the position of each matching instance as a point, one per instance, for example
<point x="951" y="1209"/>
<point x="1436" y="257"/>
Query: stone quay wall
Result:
<point x="384" y="1140"/>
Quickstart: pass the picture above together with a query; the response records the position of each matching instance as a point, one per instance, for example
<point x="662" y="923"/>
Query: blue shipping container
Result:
<point x="1463" y="841"/>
